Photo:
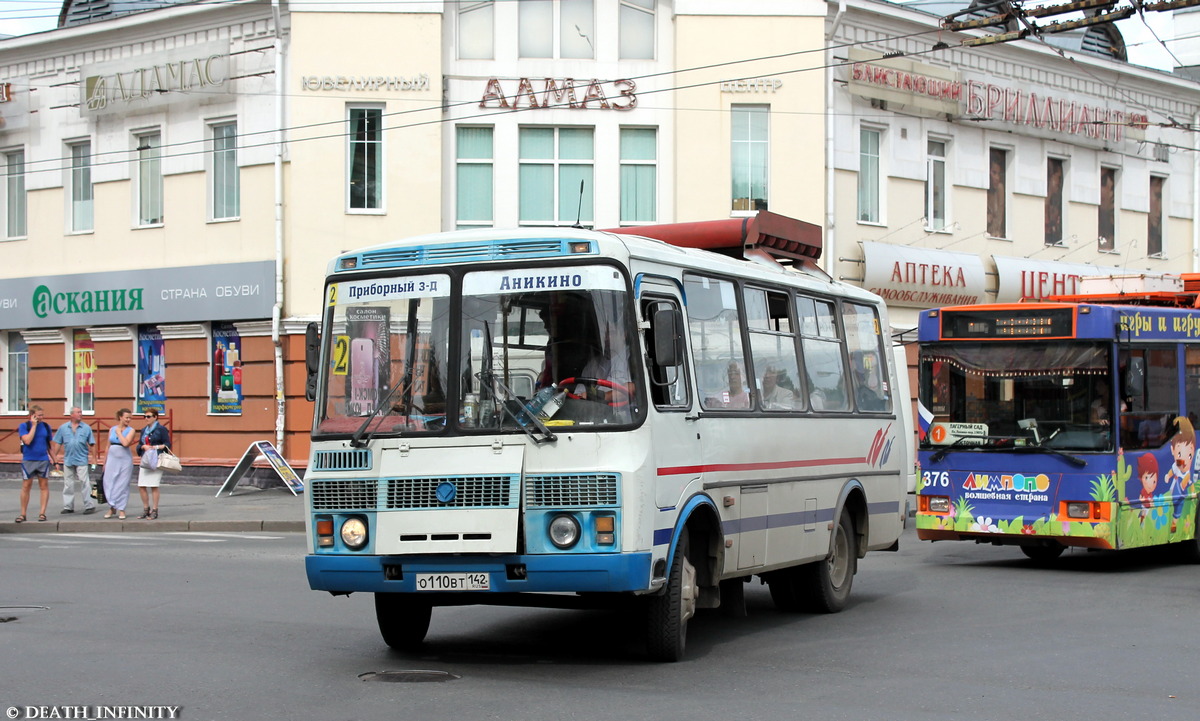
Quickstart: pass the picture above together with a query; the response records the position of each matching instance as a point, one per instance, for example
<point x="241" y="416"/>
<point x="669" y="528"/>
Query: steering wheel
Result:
<point x="598" y="383"/>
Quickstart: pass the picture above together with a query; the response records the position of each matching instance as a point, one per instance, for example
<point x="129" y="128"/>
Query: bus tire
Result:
<point x="1043" y="552"/>
<point x="1189" y="551"/>
<point x="788" y="588"/>
<point x="667" y="613"/>
<point x="827" y="583"/>
<point x="403" y="620"/>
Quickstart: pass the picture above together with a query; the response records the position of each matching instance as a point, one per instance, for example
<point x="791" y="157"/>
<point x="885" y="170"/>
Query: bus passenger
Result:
<point x="774" y="396"/>
<point x="739" y="397"/>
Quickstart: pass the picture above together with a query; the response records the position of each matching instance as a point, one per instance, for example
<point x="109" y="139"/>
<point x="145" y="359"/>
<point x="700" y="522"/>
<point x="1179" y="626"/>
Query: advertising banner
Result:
<point x="225" y="391"/>
<point x="152" y="370"/>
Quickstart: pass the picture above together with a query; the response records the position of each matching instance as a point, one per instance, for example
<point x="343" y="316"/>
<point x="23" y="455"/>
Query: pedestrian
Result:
<point x="35" y="460"/>
<point x="76" y="445"/>
<point x="156" y="437"/>
<point x="118" y="464"/>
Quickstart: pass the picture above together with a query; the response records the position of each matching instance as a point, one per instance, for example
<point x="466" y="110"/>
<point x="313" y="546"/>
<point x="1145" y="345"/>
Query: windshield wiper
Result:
<point x="406" y="381"/>
<point x="543" y="434"/>
<point x="961" y="440"/>
<point x="1073" y="460"/>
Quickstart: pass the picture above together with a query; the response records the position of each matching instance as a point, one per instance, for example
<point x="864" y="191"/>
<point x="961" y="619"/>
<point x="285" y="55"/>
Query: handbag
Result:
<point x="168" y="461"/>
<point x="150" y="459"/>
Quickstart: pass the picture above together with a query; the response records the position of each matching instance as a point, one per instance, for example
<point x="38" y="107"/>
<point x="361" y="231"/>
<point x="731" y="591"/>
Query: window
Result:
<point x="636" y="21"/>
<point x="935" y="185"/>
<point x="668" y="383"/>
<point x="749" y="156"/>
<point x="473" y="178"/>
<point x="1055" y="175"/>
<point x="867" y="349"/>
<point x="997" y="193"/>
<point x="639" y="175"/>
<point x="150" y="179"/>
<point x="83" y="363"/>
<point x="1149" y="396"/>
<point x="18" y="374"/>
<point x="824" y="364"/>
<point x="576" y="29"/>
<point x="868" y="175"/>
<point x="225" y="182"/>
<point x="14" y="194"/>
<point x="365" y="189"/>
<point x="1107" y="211"/>
<point x="82" y="199"/>
<point x="773" y="350"/>
<point x="1154" y="220"/>
<point x="476" y="21"/>
<point x="716" y="337"/>
<point x="556" y="175"/>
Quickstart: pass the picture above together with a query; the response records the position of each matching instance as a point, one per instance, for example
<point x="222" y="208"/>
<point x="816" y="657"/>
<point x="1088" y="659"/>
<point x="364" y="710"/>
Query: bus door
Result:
<point x="676" y="446"/>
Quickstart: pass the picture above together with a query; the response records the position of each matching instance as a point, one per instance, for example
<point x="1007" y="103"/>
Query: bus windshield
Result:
<point x="1005" y="395"/>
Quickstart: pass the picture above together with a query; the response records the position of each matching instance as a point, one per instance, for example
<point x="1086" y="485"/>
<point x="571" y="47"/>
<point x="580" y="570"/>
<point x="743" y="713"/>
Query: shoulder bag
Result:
<point x="168" y="461"/>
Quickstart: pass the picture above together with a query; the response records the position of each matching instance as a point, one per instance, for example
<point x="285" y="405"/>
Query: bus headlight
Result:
<point x="564" y="531"/>
<point x="354" y="533"/>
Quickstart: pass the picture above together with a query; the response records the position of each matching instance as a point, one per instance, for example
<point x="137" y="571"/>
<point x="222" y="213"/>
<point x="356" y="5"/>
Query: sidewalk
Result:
<point x="181" y="508"/>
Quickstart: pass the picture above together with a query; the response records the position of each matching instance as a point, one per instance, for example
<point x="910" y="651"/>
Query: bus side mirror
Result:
<point x="312" y="357"/>
<point x="668" y="337"/>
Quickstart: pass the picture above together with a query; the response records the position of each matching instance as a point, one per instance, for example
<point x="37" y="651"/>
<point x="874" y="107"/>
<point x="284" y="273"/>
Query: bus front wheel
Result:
<point x="828" y="582"/>
<point x="667" y="613"/>
<point x="403" y="620"/>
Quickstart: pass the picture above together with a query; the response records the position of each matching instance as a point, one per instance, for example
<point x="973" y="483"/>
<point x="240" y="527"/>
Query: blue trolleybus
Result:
<point x="1064" y="423"/>
<point x="565" y="417"/>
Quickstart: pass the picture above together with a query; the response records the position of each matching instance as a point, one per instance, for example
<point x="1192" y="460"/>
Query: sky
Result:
<point x="18" y="17"/>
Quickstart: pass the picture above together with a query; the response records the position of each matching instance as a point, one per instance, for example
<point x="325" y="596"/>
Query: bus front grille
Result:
<point x="559" y="491"/>
<point x="353" y="459"/>
<point x="352" y="495"/>
<point x="453" y="492"/>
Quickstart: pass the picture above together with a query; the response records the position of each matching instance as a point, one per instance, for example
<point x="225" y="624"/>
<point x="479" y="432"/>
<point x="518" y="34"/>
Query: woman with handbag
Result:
<point x="154" y="438"/>
<point x="118" y="464"/>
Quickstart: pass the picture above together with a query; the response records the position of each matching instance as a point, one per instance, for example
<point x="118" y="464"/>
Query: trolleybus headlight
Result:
<point x="939" y="504"/>
<point x="354" y="533"/>
<point x="564" y="531"/>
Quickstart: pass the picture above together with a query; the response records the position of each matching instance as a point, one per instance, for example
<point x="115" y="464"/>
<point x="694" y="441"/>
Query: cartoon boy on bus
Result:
<point x="1179" y="477"/>
<point x="1147" y="470"/>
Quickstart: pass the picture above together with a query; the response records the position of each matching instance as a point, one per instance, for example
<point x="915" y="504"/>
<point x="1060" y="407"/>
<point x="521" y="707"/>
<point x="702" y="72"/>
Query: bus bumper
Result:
<point x="507" y="573"/>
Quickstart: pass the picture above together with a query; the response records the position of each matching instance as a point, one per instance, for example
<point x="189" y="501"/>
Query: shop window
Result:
<point x="476" y="30"/>
<point x="14" y="195"/>
<point x="997" y="194"/>
<point x="749" y="153"/>
<point x="868" y="175"/>
<point x="17" y="369"/>
<point x="1107" y="212"/>
<point x="224" y="176"/>
<point x="1154" y="219"/>
<point x="149" y="179"/>
<point x="556" y="170"/>
<point x="1056" y="170"/>
<point x="225" y="391"/>
<point x="639" y="175"/>
<point x="151" y="389"/>
<point x="83" y="376"/>
<point x="636" y="22"/>
<point x="935" y="185"/>
<point x="80" y="181"/>
<point x="473" y="178"/>
<point x="365" y="186"/>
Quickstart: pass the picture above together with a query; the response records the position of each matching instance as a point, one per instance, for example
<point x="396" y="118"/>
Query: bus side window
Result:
<point x="668" y="383"/>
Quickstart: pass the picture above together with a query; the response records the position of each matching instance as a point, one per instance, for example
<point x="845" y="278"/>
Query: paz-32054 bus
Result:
<point x="543" y="416"/>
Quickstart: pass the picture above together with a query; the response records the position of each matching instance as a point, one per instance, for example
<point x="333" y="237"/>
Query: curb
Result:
<point x="132" y="525"/>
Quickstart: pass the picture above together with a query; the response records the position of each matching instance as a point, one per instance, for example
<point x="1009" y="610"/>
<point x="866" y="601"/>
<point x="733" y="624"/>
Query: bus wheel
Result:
<point x="1043" y="552"/>
<point x="788" y="588"/>
<point x="403" y="620"/>
<point x="1189" y="551"/>
<point x="667" y="613"/>
<point x="827" y="583"/>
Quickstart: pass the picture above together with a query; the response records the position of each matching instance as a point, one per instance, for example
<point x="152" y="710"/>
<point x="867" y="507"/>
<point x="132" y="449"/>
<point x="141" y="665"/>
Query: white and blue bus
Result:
<point x="565" y="417"/>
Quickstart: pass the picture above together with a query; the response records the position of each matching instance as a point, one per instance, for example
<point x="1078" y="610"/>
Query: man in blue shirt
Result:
<point x="74" y="444"/>
<point x="35" y="460"/>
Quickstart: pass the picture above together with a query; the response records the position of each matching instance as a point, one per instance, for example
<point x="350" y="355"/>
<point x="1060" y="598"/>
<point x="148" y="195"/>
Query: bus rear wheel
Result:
<point x="667" y="613"/>
<point x="827" y="583"/>
<point x="403" y="620"/>
<point x="1189" y="551"/>
<point x="1043" y="552"/>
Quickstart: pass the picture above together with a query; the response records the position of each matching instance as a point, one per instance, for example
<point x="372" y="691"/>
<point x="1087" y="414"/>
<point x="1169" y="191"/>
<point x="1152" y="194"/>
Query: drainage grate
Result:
<point x="408" y="676"/>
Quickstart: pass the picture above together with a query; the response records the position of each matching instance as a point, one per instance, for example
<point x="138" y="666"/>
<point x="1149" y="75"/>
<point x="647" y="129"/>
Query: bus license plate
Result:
<point x="453" y="582"/>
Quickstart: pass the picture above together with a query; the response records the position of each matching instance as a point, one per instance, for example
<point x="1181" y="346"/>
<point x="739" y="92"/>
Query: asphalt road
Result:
<point x="224" y="626"/>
